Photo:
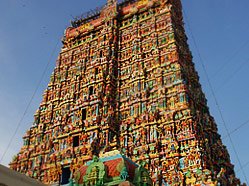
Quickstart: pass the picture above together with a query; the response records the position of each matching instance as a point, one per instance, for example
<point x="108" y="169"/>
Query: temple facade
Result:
<point x="124" y="80"/>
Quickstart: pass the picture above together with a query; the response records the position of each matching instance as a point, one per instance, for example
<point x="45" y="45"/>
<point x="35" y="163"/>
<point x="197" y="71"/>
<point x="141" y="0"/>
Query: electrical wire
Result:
<point x="232" y="75"/>
<point x="215" y="99"/>
<point x="236" y="129"/>
<point x="29" y="103"/>
<point x="244" y="166"/>
<point x="229" y="60"/>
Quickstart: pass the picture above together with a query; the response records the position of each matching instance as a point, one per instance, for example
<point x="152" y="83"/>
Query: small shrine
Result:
<point x="111" y="169"/>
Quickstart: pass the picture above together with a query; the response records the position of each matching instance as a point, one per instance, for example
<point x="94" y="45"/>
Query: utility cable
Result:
<point x="237" y="128"/>
<point x="245" y="165"/>
<point x="215" y="99"/>
<point x="229" y="60"/>
<point x="233" y="74"/>
<point x="29" y="103"/>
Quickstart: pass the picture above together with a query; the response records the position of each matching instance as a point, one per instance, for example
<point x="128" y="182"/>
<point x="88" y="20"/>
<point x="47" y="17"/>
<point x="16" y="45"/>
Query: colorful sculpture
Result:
<point x="125" y="79"/>
<point x="111" y="168"/>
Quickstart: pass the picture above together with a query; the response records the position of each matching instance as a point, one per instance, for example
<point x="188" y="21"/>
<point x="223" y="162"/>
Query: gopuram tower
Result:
<point x="124" y="80"/>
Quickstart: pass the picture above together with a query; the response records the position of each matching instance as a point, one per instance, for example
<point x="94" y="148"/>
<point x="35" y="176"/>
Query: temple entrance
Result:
<point x="65" y="175"/>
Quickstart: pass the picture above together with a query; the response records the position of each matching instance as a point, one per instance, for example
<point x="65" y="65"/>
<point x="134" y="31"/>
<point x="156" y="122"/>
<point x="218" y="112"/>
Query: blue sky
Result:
<point x="30" y="30"/>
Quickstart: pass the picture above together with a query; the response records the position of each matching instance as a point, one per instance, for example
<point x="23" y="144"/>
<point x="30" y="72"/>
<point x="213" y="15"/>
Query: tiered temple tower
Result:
<point x="125" y="80"/>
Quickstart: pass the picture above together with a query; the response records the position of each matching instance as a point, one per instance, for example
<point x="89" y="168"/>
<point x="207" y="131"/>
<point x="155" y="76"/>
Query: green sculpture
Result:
<point x="95" y="173"/>
<point x="112" y="170"/>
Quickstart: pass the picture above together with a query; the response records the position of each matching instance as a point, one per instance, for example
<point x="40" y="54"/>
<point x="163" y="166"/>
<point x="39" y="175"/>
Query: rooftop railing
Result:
<point x="95" y="13"/>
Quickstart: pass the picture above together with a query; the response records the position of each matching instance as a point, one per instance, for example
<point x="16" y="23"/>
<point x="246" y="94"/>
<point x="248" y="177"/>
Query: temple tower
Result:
<point x="124" y="80"/>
